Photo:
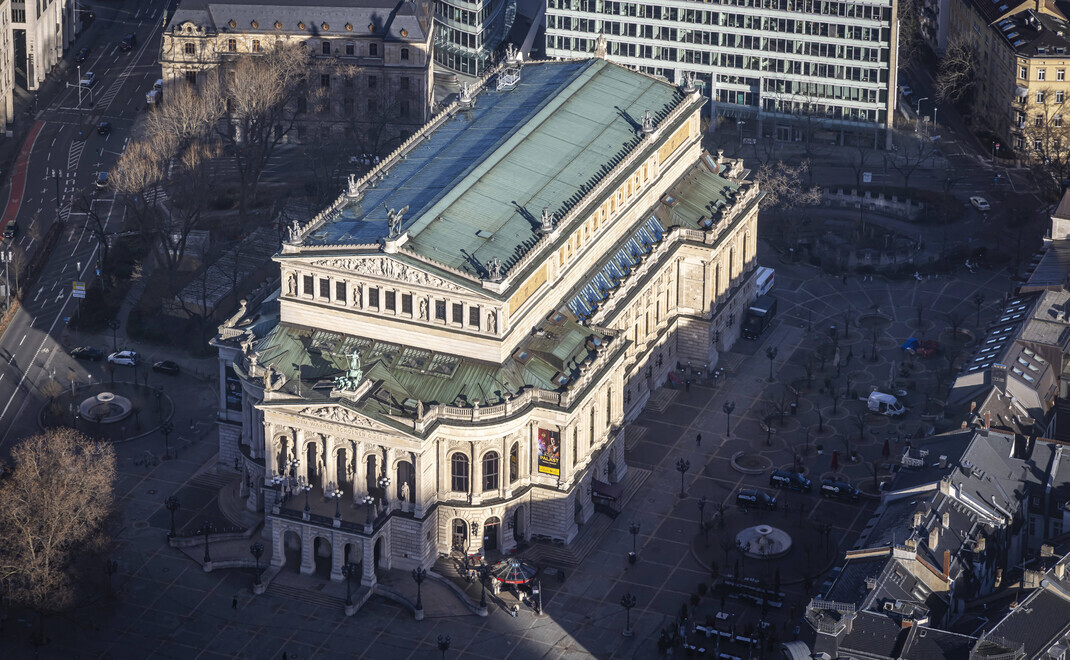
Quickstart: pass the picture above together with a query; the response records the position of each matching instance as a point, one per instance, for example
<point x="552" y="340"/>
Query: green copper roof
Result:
<point x="476" y="187"/>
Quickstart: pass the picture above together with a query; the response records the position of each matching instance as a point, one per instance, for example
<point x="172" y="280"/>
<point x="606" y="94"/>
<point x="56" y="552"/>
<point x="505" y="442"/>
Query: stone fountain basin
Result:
<point x="764" y="542"/>
<point x="105" y="408"/>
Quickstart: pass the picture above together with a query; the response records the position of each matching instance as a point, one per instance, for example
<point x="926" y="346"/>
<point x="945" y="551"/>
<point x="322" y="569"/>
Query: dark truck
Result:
<point x="759" y="315"/>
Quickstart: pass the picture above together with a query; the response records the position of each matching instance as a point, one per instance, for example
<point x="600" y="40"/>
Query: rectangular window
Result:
<point x="256" y="46"/>
<point x="1022" y="72"/>
<point x="372" y="82"/>
<point x="406" y="303"/>
<point x="391" y="301"/>
<point x="340" y="291"/>
<point x="405" y="54"/>
<point x="458" y="313"/>
<point x="1040" y="96"/>
<point x="371" y="105"/>
<point x="440" y="310"/>
<point x="473" y="317"/>
<point x="373" y="50"/>
<point x="1042" y="74"/>
<point x="403" y="108"/>
<point x="326" y="48"/>
<point x="1057" y="121"/>
<point x="325" y="288"/>
<point x="348" y="105"/>
<point x="1060" y="96"/>
<point x="325" y="80"/>
<point x="191" y="78"/>
<point x="373" y="298"/>
<point x="1036" y="145"/>
<point x="350" y="49"/>
<point x="1038" y="120"/>
<point x="1060" y="74"/>
<point x="232" y="45"/>
<point x="309" y="285"/>
<point x="404" y="83"/>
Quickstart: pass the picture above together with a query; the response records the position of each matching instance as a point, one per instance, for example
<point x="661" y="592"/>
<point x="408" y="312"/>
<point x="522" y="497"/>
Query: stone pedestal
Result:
<point x="207" y="567"/>
<point x="351" y="609"/>
<point x="259" y="588"/>
<point x="419" y="616"/>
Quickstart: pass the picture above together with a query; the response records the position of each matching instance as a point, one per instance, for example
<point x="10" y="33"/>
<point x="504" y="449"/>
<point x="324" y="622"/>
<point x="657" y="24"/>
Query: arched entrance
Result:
<point x="291" y="545"/>
<point x="377" y="554"/>
<point x="518" y="524"/>
<point x="491" y="528"/>
<point x="353" y="555"/>
<point x="459" y="529"/>
<point x="321" y="550"/>
<point x="312" y="466"/>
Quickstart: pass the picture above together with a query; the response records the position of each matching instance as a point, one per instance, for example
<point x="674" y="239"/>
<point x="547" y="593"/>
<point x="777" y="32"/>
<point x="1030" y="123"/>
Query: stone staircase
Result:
<point x="210" y="479"/>
<point x="660" y="400"/>
<point x="546" y="554"/>
<point x="311" y="596"/>
<point x="633" y="433"/>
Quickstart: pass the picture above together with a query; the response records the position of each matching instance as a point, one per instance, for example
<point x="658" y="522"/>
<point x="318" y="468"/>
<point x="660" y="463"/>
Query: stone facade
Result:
<point x="374" y="63"/>
<point x="472" y="474"/>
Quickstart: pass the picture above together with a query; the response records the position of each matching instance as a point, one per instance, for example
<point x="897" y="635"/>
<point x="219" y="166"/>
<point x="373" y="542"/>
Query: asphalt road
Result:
<point x="65" y="156"/>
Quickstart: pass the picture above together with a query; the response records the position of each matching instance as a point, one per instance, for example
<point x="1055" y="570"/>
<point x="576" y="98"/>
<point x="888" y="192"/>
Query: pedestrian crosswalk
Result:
<point x="74" y="154"/>
<point x="105" y="101"/>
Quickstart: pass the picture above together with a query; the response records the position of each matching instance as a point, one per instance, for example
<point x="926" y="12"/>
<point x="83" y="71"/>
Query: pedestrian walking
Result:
<point x="234" y="603"/>
<point x="687" y="385"/>
<point x="698" y="439"/>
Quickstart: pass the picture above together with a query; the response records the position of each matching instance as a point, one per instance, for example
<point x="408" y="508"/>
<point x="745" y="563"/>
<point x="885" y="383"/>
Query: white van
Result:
<point x="153" y="97"/>
<point x="885" y="404"/>
<point x="158" y="85"/>
<point x="764" y="279"/>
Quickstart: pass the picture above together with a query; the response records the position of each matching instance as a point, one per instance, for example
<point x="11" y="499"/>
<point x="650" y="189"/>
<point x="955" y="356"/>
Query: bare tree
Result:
<point x="52" y="508"/>
<point x="911" y="43"/>
<point x="784" y="186"/>
<point x="956" y="75"/>
<point x="911" y="153"/>
<point x="1046" y="139"/>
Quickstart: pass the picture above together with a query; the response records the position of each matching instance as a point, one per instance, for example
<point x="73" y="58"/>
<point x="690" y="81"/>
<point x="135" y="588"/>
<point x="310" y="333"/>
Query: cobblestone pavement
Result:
<point x="164" y="605"/>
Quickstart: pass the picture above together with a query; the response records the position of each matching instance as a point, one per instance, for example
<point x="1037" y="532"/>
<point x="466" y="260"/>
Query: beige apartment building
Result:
<point x="457" y="345"/>
<point x="373" y="60"/>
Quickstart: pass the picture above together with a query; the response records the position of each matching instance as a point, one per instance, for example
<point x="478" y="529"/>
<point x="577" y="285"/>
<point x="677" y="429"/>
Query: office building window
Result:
<point x="340" y="291"/>
<point x="390" y="302"/>
<point x="309" y="285"/>
<point x="373" y="298"/>
<point x="440" y="310"/>
<point x="325" y="288"/>
<point x="458" y="313"/>
<point x="1042" y="74"/>
<point x="406" y="303"/>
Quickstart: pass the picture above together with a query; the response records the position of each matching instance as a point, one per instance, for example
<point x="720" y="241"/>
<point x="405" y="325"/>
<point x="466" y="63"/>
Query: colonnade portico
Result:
<point x="361" y="550"/>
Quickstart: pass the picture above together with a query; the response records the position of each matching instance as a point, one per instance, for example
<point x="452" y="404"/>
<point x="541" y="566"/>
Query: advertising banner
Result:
<point x="549" y="452"/>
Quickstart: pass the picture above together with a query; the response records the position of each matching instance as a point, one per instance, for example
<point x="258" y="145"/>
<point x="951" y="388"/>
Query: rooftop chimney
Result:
<point x="988" y="419"/>
<point x="934" y="537"/>
<point x="947" y="563"/>
<point x="945" y="519"/>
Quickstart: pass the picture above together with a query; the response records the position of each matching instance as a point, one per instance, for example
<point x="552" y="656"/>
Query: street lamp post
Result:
<point x="384" y="483"/>
<point x="158" y="395"/>
<point x="337" y="495"/>
<point x="702" y="520"/>
<point x="627" y="601"/>
<point x="166" y="429"/>
<point x="770" y="353"/>
<point x="207" y="529"/>
<point x="171" y="503"/>
<point x="682" y="465"/>
<point x="633" y="529"/>
<point x="306" y="487"/>
<point x="257" y="551"/>
<point x="443" y="645"/>
<point x="418" y="575"/>
<point x="728" y="407"/>
<point x="114" y="325"/>
<point x="349" y="569"/>
<point x="368" y="500"/>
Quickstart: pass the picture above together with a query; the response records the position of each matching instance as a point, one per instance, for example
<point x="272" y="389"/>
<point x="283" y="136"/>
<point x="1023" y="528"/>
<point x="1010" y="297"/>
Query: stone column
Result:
<point x="359" y="486"/>
<point x="390" y="471"/>
<point x="476" y="474"/>
<point x="330" y="444"/>
<point x="566" y="454"/>
<point x="337" y="558"/>
<point x="278" y="549"/>
<point x="504" y="485"/>
<point x="301" y="453"/>
<point x="620" y="467"/>
<point x="308" y="552"/>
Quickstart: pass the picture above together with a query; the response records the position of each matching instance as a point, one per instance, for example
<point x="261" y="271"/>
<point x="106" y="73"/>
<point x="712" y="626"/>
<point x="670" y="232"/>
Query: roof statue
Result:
<point x="466" y="97"/>
<point x="601" y="47"/>
<point x="648" y="123"/>
<point x="512" y="55"/>
<point x="351" y="186"/>
<point x="495" y="272"/>
<point x="689" y="83"/>
<point x="547" y="224"/>
<point x="393" y="220"/>
<point x="295" y="231"/>
<point x="354" y="374"/>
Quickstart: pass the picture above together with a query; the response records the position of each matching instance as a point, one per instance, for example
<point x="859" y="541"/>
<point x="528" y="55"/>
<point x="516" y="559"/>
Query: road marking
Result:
<point x="22" y="340"/>
<point x="39" y="292"/>
<point x="59" y="296"/>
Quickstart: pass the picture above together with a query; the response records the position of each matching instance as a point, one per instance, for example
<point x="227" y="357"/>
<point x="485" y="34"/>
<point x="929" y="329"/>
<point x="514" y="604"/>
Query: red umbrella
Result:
<point x="835" y="461"/>
<point x="886" y="451"/>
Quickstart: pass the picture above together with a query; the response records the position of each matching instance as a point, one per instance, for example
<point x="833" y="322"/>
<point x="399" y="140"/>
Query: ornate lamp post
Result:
<point x="682" y="466"/>
<point x="443" y="645"/>
<point x="368" y="501"/>
<point x="627" y="601"/>
<point x="306" y="487"/>
<point x="728" y="407"/>
<point x="349" y="569"/>
<point x="702" y="520"/>
<point x="166" y="428"/>
<point x="384" y="483"/>
<point x="158" y="394"/>
<point x="633" y="529"/>
<point x="418" y="575"/>
<point x="172" y="505"/>
<point x="770" y="352"/>
<point x="206" y="529"/>
<point x="114" y="325"/>
<point x="337" y="495"/>
<point x="292" y="464"/>
<point x="257" y="551"/>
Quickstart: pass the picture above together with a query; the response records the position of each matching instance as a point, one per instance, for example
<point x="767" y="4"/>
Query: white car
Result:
<point x="129" y="358"/>
<point x="981" y="204"/>
<point x="88" y="80"/>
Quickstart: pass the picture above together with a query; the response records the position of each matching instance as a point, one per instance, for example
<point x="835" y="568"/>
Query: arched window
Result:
<point x="190" y="49"/>
<point x="514" y="462"/>
<point x="490" y="471"/>
<point x="459" y="473"/>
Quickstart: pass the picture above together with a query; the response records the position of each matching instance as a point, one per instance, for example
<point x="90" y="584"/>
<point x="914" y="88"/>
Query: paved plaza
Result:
<point x="164" y="605"/>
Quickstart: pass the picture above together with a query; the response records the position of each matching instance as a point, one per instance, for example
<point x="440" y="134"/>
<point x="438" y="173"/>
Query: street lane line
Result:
<point x="22" y="340"/>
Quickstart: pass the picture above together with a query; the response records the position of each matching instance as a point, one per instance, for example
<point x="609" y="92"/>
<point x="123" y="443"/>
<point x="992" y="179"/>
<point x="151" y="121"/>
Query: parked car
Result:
<point x="129" y="358"/>
<point x="87" y="353"/>
<point x="981" y="204"/>
<point x="128" y="42"/>
<point x="749" y="497"/>
<point x="791" y="481"/>
<point x="839" y="490"/>
<point x="11" y="230"/>
<point x="82" y="55"/>
<point x="104" y="128"/>
<point x="166" y="367"/>
<point x="102" y="181"/>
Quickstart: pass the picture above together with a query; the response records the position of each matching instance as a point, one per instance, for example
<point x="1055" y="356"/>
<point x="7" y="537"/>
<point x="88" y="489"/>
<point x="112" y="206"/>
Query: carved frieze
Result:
<point x="389" y="269"/>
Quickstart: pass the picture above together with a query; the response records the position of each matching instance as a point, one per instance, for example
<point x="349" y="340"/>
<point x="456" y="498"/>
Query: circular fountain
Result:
<point x="764" y="542"/>
<point x="105" y="408"/>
